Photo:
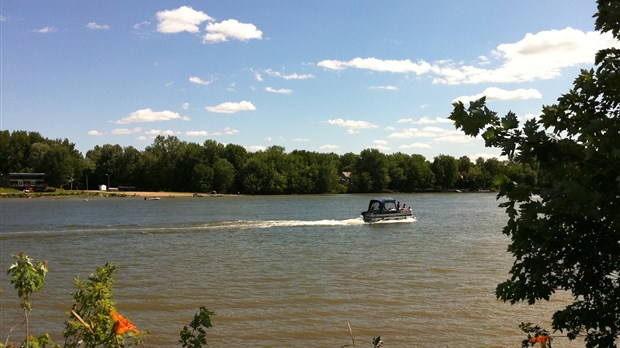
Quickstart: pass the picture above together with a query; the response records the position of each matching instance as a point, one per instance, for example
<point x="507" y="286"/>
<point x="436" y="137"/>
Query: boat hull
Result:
<point x="390" y="216"/>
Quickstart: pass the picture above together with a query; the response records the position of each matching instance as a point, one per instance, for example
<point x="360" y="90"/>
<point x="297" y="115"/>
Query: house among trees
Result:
<point x="27" y="181"/>
<point x="345" y="178"/>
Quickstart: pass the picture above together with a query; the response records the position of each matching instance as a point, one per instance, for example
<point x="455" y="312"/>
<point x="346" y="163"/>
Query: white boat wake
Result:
<point x="284" y="223"/>
<point x="248" y="224"/>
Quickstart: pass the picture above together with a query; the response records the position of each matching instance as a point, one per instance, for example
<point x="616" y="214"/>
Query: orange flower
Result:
<point x="540" y="339"/>
<point x="122" y="324"/>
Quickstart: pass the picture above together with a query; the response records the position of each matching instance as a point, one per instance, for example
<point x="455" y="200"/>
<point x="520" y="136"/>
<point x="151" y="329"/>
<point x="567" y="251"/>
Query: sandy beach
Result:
<point x="150" y="194"/>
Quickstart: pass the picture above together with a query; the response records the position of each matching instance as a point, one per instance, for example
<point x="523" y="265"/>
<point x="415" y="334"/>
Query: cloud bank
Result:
<point x="535" y="57"/>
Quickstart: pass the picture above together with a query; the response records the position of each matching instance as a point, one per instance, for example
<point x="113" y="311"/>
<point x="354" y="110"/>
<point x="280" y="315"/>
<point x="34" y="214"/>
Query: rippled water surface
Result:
<point x="279" y="271"/>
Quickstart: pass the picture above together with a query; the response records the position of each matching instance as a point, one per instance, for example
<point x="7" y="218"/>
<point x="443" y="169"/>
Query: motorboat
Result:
<point x="385" y="209"/>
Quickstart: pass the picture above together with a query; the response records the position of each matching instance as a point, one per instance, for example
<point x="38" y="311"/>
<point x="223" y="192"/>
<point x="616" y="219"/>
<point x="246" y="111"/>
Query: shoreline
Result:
<point x="97" y="193"/>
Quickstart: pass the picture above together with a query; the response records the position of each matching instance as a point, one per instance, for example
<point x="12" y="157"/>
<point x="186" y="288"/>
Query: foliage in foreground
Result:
<point x="567" y="238"/>
<point x="94" y="321"/>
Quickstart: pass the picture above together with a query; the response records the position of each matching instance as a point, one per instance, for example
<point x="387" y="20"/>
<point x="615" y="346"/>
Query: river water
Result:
<point x="278" y="271"/>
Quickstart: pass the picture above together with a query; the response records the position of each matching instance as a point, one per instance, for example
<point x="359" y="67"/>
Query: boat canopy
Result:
<point x="383" y="204"/>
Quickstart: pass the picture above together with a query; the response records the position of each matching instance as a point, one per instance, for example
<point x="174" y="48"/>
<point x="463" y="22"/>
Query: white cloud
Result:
<point x="293" y="76"/>
<point x="438" y="134"/>
<point x="230" y="131"/>
<point x="141" y="25"/>
<point x="279" y="91"/>
<point x="385" y="88"/>
<point x="197" y="80"/>
<point x="536" y="56"/>
<point x="351" y="126"/>
<point x="95" y="133"/>
<point x="232" y="29"/>
<point x="454" y="138"/>
<point x="494" y="93"/>
<point x="185" y="106"/>
<point x="425" y="120"/>
<point x="126" y="131"/>
<point x="155" y="132"/>
<point x="202" y="133"/>
<point x="330" y="147"/>
<point x="148" y="115"/>
<point x="181" y="19"/>
<point x="255" y="148"/>
<point x="374" y="64"/>
<point x="530" y="116"/>
<point x="95" y="26"/>
<point x="411" y="133"/>
<point x="46" y="30"/>
<point x="415" y="146"/>
<point x="231" y="108"/>
<point x="121" y="131"/>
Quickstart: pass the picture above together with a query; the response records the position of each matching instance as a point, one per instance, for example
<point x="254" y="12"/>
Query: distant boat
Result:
<point x="151" y="198"/>
<point x="385" y="209"/>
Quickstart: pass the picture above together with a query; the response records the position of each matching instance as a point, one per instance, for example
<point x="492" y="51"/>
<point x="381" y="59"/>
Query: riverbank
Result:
<point x="97" y="193"/>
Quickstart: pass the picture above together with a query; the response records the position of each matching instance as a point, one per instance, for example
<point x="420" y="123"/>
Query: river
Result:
<point x="278" y="271"/>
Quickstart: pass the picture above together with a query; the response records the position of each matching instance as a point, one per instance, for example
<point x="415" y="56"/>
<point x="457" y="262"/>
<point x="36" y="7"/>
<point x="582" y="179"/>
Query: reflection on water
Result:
<point x="278" y="271"/>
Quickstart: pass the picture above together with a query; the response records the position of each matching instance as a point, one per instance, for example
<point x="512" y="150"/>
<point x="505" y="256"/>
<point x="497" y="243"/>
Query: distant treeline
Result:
<point x="169" y="164"/>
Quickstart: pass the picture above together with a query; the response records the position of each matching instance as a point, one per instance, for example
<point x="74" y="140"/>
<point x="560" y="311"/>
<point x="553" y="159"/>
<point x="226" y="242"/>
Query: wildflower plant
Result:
<point x="197" y="336"/>
<point x="94" y="320"/>
<point x="535" y="334"/>
<point x="28" y="277"/>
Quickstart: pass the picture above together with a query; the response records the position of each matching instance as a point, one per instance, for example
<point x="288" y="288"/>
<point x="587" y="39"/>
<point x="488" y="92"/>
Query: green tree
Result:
<point x="446" y="171"/>
<point x="398" y="165"/>
<point x="301" y="172"/>
<point x="568" y="237"/>
<point x="422" y="173"/>
<point x="60" y="161"/>
<point x="348" y="161"/>
<point x="371" y="172"/>
<point x="162" y="157"/>
<point x="223" y="175"/>
<point x="327" y="175"/>
<point x="202" y="178"/>
<point x="464" y="165"/>
<point x="254" y="173"/>
<point x="108" y="163"/>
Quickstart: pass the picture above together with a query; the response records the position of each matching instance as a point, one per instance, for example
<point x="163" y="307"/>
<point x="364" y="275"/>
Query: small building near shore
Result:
<point x="27" y="181"/>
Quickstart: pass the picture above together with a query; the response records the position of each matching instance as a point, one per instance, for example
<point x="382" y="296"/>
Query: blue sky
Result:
<point x="327" y="76"/>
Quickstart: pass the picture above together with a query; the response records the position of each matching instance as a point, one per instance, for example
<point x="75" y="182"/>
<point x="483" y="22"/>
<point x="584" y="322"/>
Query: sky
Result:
<point x="326" y="75"/>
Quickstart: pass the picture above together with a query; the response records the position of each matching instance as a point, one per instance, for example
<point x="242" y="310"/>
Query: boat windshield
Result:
<point x="384" y="205"/>
<point x="374" y="206"/>
<point x="390" y="206"/>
